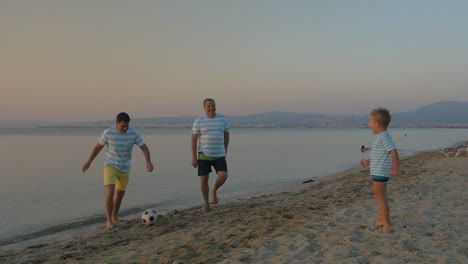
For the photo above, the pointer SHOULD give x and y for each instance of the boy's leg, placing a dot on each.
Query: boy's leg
(108, 204)
(222, 176)
(383, 216)
(205, 190)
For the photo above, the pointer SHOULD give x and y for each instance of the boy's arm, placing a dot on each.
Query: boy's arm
(146, 153)
(93, 155)
(365, 163)
(396, 163)
(194, 150)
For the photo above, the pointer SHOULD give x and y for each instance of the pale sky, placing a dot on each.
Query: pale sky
(87, 60)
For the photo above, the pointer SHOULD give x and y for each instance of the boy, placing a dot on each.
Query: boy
(119, 140)
(384, 162)
(213, 131)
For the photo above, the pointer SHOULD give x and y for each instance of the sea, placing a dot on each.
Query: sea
(45, 196)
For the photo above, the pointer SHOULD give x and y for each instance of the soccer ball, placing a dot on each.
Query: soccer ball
(149, 217)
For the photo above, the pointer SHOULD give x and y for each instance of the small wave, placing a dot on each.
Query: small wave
(161, 208)
(66, 226)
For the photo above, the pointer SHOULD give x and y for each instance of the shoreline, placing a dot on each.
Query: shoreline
(328, 221)
(48, 235)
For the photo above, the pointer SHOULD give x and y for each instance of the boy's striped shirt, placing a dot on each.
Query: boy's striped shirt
(119, 147)
(381, 159)
(211, 134)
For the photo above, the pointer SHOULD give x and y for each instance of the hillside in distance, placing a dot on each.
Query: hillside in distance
(440, 114)
(445, 113)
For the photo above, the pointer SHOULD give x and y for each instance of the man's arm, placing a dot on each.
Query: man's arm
(226, 141)
(93, 155)
(395, 162)
(146, 153)
(194, 150)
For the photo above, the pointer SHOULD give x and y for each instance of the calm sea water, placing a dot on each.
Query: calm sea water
(42, 188)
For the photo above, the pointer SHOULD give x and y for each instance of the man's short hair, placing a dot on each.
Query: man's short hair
(208, 100)
(382, 115)
(122, 117)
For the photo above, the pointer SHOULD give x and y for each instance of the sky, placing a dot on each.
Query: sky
(88, 60)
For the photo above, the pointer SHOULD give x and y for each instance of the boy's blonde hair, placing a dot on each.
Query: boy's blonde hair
(382, 115)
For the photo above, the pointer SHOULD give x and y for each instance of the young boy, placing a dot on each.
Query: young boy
(119, 140)
(384, 162)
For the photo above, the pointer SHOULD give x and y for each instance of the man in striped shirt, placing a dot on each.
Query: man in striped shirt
(119, 140)
(211, 131)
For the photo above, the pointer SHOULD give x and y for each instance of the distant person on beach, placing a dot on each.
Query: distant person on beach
(384, 162)
(364, 148)
(211, 132)
(119, 140)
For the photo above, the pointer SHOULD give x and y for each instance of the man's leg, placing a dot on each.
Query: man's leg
(205, 188)
(119, 194)
(108, 204)
(121, 184)
(222, 176)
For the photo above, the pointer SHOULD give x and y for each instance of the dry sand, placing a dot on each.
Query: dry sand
(319, 222)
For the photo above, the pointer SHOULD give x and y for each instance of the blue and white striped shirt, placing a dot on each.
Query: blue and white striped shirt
(211, 134)
(381, 159)
(119, 147)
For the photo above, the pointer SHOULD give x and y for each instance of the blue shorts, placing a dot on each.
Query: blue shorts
(380, 178)
(204, 166)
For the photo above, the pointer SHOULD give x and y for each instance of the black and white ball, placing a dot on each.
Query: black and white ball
(149, 217)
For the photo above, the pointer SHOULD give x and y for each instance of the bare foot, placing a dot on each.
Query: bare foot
(214, 196)
(105, 228)
(108, 228)
(115, 223)
(205, 208)
(379, 224)
(387, 228)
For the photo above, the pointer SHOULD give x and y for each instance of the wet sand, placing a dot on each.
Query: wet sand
(329, 220)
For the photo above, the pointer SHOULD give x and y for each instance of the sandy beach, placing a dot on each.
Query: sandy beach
(326, 221)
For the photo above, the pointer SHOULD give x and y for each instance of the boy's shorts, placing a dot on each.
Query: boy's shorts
(380, 178)
(204, 166)
(115, 176)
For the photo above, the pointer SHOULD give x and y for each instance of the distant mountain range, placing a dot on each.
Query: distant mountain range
(440, 114)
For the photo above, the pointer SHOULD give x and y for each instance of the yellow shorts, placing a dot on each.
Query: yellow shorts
(115, 176)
